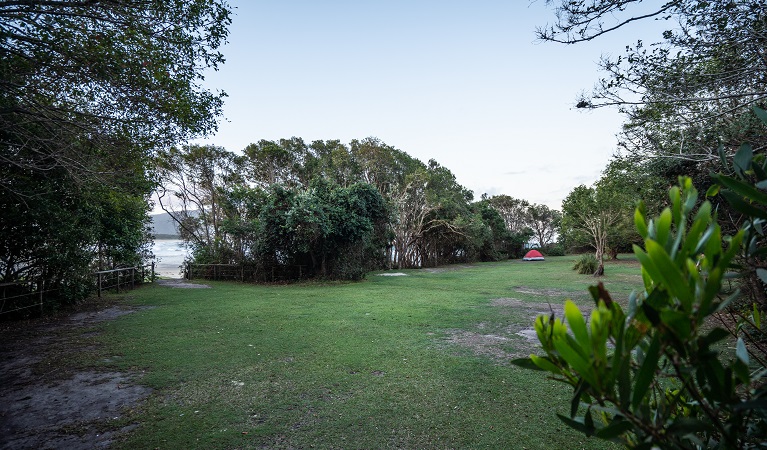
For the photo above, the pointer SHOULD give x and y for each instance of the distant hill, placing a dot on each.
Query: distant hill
(164, 226)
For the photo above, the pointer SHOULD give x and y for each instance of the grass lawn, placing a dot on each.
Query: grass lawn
(416, 361)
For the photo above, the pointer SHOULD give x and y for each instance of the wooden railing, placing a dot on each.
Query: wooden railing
(26, 295)
(245, 272)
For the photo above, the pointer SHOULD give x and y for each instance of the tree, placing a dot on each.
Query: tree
(88, 91)
(544, 223)
(689, 91)
(591, 213)
(198, 177)
(515, 212)
(269, 162)
(86, 81)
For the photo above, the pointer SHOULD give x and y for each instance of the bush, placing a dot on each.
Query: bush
(555, 250)
(655, 375)
(587, 265)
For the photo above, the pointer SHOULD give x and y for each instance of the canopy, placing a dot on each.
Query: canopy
(533, 255)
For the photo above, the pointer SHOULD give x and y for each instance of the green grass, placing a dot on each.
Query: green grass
(353, 365)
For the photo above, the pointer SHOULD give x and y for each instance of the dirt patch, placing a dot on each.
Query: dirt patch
(558, 293)
(180, 283)
(48, 401)
(489, 345)
(503, 342)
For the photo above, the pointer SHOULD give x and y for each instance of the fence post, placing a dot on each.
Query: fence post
(118, 281)
(152, 271)
(133, 278)
(42, 289)
(99, 283)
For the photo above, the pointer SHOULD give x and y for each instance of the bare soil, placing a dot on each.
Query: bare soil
(508, 340)
(48, 398)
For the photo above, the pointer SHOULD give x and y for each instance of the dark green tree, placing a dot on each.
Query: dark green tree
(88, 90)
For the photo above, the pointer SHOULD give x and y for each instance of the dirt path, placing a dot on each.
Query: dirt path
(48, 398)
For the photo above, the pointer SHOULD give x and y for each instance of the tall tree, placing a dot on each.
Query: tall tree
(692, 88)
(88, 91)
(544, 222)
(513, 211)
(82, 82)
(194, 182)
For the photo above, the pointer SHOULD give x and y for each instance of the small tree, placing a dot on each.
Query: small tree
(591, 213)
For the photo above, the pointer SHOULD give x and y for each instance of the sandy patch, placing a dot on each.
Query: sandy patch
(392, 274)
(559, 293)
(46, 402)
(180, 283)
(503, 342)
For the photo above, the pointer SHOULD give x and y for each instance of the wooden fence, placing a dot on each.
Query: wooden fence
(26, 295)
(245, 272)
(126, 277)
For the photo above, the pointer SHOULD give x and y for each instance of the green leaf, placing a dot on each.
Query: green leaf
(527, 363)
(716, 335)
(663, 229)
(577, 324)
(744, 189)
(624, 378)
(761, 114)
(574, 424)
(687, 425)
(576, 400)
(676, 205)
(648, 266)
(545, 364)
(574, 358)
(762, 274)
(741, 352)
(723, 157)
(742, 159)
(752, 404)
(674, 279)
(677, 321)
(713, 190)
(646, 373)
(640, 223)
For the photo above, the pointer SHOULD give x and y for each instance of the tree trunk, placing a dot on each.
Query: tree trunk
(600, 269)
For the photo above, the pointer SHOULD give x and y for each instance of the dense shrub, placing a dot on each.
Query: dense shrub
(587, 264)
(654, 375)
(554, 250)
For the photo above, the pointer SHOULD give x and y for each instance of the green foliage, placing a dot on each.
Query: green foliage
(89, 91)
(555, 250)
(337, 210)
(744, 190)
(651, 375)
(586, 264)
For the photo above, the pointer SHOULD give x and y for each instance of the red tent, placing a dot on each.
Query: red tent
(533, 255)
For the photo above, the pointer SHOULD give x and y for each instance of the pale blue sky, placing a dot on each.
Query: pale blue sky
(462, 82)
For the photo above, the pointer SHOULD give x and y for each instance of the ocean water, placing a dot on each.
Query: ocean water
(169, 257)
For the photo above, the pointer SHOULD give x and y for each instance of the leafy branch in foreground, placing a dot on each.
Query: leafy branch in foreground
(654, 375)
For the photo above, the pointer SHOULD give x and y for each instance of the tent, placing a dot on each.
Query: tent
(533, 255)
